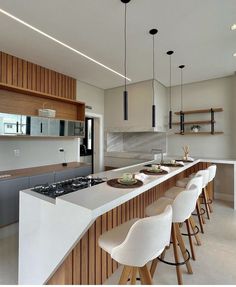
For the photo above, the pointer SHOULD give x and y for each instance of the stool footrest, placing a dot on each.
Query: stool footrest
(203, 211)
(192, 234)
(174, 263)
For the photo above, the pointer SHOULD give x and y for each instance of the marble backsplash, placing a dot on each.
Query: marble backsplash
(139, 142)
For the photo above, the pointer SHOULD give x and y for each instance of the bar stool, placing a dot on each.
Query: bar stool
(136, 242)
(174, 191)
(183, 205)
(205, 173)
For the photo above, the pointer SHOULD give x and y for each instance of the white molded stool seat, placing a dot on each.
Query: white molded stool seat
(114, 237)
(204, 173)
(136, 242)
(182, 182)
(212, 172)
(158, 206)
(175, 191)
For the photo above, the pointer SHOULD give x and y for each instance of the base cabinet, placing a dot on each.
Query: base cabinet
(9, 199)
(10, 189)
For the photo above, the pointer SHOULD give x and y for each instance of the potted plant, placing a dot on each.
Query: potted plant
(195, 128)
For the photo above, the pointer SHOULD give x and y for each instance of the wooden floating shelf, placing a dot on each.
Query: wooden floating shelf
(195, 122)
(216, 110)
(199, 133)
(36, 93)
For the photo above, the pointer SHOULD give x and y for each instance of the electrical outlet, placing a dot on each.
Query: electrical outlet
(16, 152)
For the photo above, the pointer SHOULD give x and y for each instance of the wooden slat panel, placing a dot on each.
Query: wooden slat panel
(25, 69)
(14, 72)
(29, 76)
(92, 251)
(57, 84)
(0, 66)
(46, 81)
(42, 78)
(77, 264)
(9, 69)
(84, 259)
(53, 83)
(4, 68)
(98, 268)
(104, 254)
(64, 274)
(20, 73)
(38, 79)
(34, 77)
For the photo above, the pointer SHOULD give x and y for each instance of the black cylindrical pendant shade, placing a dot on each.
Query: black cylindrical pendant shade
(153, 116)
(170, 119)
(125, 101)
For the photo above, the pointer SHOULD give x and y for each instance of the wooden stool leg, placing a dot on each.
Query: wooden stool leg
(199, 217)
(190, 239)
(155, 262)
(202, 216)
(183, 249)
(175, 247)
(133, 276)
(205, 199)
(208, 196)
(145, 276)
(125, 275)
(196, 236)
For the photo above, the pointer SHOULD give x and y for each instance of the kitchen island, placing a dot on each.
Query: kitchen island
(58, 237)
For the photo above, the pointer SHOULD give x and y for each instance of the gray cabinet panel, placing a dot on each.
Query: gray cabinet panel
(9, 199)
(83, 171)
(64, 174)
(41, 179)
(71, 173)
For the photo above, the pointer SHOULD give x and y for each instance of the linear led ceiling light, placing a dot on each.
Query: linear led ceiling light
(61, 43)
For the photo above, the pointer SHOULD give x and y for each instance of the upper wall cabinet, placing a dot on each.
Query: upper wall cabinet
(140, 100)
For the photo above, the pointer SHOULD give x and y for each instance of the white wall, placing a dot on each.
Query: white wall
(92, 96)
(35, 152)
(203, 95)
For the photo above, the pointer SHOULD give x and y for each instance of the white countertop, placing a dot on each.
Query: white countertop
(49, 229)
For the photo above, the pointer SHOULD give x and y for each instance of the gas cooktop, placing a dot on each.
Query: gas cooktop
(64, 187)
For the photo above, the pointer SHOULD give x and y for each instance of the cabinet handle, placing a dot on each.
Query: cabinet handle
(41, 127)
(17, 127)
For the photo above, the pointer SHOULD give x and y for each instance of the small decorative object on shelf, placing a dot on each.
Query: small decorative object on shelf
(195, 128)
(186, 152)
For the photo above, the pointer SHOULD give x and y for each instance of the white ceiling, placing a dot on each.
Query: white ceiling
(197, 30)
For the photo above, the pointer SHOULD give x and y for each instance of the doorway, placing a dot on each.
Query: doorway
(87, 144)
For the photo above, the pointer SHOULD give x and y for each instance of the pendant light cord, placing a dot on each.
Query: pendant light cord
(153, 68)
(181, 87)
(125, 42)
(170, 83)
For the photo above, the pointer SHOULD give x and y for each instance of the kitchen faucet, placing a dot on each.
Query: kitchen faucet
(160, 151)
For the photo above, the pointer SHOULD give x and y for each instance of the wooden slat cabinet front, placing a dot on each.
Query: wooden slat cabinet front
(91, 265)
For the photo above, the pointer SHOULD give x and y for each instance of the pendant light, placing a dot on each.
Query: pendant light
(125, 93)
(153, 32)
(169, 53)
(181, 102)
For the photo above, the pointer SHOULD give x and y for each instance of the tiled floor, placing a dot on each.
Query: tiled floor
(9, 254)
(215, 264)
